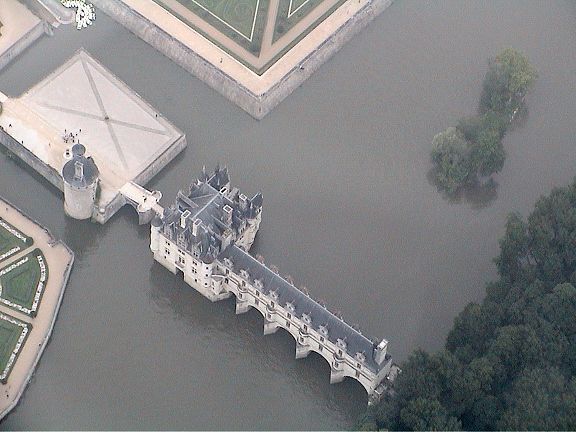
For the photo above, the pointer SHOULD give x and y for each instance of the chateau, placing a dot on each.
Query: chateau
(206, 234)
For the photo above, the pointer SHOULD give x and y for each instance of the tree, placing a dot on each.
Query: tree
(427, 414)
(488, 153)
(540, 399)
(451, 156)
(519, 73)
(509, 77)
(510, 361)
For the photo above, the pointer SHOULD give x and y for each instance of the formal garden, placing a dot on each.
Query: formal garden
(13, 334)
(12, 240)
(22, 283)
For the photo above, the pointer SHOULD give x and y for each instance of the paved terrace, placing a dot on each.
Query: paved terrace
(83, 102)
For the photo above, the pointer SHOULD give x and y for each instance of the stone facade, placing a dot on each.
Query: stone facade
(206, 235)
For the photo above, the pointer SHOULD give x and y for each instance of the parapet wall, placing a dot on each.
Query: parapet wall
(257, 105)
(18, 47)
(30, 158)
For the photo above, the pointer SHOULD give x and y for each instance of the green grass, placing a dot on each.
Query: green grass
(233, 18)
(12, 331)
(23, 285)
(11, 244)
(284, 23)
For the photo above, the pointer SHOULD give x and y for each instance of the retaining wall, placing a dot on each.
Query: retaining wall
(257, 105)
(23, 43)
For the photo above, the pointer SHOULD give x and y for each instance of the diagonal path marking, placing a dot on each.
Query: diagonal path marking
(103, 110)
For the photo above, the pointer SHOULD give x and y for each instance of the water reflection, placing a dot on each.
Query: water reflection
(174, 299)
(479, 194)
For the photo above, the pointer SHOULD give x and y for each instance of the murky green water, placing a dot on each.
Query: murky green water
(348, 212)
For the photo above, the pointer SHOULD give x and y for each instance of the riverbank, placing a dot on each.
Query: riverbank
(56, 257)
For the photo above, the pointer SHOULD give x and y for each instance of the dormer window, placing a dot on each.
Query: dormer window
(341, 344)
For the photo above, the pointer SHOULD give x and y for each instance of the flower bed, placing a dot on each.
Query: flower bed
(13, 334)
(12, 240)
(22, 283)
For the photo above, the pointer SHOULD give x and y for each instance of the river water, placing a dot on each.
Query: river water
(348, 212)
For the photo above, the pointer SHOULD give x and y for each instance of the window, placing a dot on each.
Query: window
(340, 352)
(243, 283)
(227, 271)
(257, 293)
(256, 301)
(205, 283)
(305, 328)
(359, 366)
(167, 251)
(289, 316)
(301, 339)
(272, 304)
(181, 260)
(269, 316)
(357, 374)
(321, 338)
(225, 280)
(320, 347)
(287, 324)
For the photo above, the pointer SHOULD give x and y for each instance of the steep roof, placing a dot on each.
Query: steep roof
(303, 304)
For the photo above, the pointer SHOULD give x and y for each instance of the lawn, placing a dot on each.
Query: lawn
(12, 240)
(22, 283)
(13, 334)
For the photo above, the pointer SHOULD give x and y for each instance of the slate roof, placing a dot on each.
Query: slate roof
(206, 203)
(288, 293)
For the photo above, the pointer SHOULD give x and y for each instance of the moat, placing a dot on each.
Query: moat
(342, 164)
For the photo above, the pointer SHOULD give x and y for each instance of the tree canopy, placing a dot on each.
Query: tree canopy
(509, 362)
(481, 154)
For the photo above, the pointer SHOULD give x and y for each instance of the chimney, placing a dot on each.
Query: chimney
(243, 202)
(227, 214)
(380, 352)
(195, 226)
(183, 218)
(78, 170)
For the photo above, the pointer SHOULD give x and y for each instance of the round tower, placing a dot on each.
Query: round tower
(155, 227)
(80, 176)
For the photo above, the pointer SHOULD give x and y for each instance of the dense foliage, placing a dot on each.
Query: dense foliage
(509, 362)
(473, 150)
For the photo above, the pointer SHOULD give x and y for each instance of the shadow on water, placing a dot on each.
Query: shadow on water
(481, 192)
(174, 297)
(83, 236)
(478, 194)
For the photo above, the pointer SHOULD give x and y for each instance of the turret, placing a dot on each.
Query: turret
(155, 226)
(80, 176)
(380, 352)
